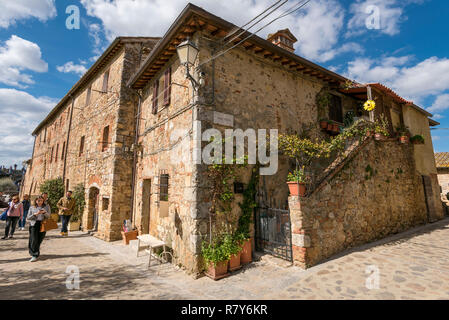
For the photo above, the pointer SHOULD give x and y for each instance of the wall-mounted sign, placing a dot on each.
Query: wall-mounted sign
(224, 119)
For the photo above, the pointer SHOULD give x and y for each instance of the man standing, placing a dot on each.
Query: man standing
(26, 206)
(66, 206)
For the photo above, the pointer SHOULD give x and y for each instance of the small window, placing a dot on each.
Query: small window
(67, 185)
(105, 204)
(57, 153)
(63, 151)
(81, 146)
(51, 154)
(105, 81)
(89, 92)
(105, 142)
(335, 109)
(163, 187)
(45, 135)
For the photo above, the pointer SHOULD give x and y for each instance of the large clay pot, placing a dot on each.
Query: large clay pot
(246, 254)
(127, 236)
(218, 271)
(297, 189)
(74, 226)
(234, 262)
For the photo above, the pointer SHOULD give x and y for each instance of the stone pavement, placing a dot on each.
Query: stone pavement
(411, 265)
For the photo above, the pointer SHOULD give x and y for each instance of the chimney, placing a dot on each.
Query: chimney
(284, 39)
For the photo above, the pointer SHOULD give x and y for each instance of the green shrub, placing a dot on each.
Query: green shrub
(55, 190)
(79, 194)
(214, 252)
(6, 184)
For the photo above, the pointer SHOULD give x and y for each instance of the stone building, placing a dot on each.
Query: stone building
(442, 163)
(151, 173)
(86, 138)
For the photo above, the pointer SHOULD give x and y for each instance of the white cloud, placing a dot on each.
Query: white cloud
(317, 25)
(17, 55)
(391, 14)
(71, 67)
(415, 82)
(22, 113)
(17, 10)
(441, 104)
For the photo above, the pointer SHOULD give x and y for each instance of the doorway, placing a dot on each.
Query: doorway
(146, 206)
(92, 213)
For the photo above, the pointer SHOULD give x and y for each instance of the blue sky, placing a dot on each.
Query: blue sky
(40, 59)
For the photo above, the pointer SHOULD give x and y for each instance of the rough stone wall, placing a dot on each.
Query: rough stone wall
(443, 180)
(377, 193)
(167, 144)
(108, 170)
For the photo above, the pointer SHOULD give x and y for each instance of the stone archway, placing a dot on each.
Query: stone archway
(93, 208)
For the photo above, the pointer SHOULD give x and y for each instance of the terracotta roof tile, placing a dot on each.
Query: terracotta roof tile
(442, 159)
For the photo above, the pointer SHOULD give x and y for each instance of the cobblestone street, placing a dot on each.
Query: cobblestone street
(412, 265)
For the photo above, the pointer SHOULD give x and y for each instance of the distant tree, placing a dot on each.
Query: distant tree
(6, 185)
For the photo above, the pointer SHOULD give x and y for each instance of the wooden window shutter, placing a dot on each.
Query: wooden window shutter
(155, 93)
(167, 86)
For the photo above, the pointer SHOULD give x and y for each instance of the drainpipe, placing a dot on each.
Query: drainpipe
(134, 169)
(22, 189)
(67, 143)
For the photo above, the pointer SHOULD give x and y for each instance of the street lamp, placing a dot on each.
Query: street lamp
(187, 53)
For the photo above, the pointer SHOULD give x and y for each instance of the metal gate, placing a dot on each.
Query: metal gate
(273, 232)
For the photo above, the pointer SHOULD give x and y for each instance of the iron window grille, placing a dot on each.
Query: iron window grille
(163, 186)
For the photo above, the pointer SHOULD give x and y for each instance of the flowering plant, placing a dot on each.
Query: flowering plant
(297, 176)
(369, 105)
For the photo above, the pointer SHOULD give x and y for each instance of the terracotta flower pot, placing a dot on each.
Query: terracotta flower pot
(404, 139)
(297, 189)
(218, 271)
(234, 262)
(74, 226)
(127, 236)
(246, 254)
(330, 126)
(323, 124)
(335, 128)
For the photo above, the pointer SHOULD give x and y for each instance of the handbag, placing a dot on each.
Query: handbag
(48, 224)
(4, 215)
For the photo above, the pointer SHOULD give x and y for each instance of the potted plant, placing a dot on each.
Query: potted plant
(80, 203)
(245, 242)
(381, 129)
(75, 223)
(323, 123)
(330, 125)
(296, 182)
(403, 133)
(216, 258)
(417, 139)
(232, 247)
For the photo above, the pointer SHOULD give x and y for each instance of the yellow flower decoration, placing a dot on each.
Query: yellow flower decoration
(369, 105)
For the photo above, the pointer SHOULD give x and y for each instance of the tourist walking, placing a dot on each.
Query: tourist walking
(26, 206)
(37, 213)
(66, 206)
(15, 212)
